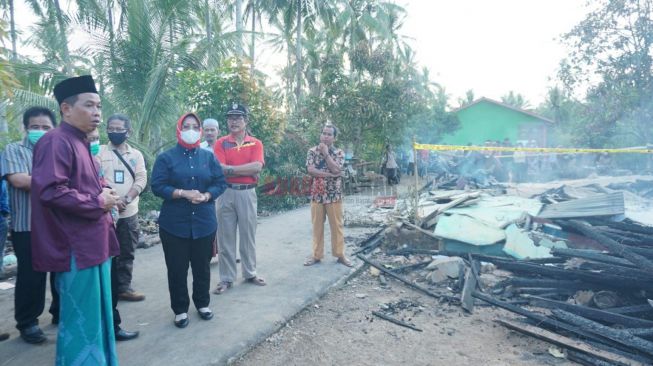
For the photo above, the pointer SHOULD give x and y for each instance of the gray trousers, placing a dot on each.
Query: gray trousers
(237, 210)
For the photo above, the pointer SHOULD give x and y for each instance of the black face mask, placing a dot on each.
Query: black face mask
(117, 138)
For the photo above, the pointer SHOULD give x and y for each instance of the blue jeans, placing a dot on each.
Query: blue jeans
(3, 240)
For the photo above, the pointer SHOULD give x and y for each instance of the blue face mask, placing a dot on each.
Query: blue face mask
(35, 135)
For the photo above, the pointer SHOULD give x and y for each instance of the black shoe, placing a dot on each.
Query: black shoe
(33, 335)
(181, 323)
(124, 335)
(4, 336)
(206, 315)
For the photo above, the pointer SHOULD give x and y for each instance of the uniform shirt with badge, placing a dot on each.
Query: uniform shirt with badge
(118, 176)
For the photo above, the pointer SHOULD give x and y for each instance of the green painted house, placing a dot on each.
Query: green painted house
(486, 119)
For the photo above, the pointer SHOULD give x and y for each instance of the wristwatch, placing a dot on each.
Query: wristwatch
(230, 171)
(128, 200)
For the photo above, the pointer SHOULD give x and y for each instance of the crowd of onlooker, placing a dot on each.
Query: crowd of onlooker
(483, 167)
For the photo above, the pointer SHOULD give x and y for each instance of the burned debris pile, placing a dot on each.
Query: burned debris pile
(569, 261)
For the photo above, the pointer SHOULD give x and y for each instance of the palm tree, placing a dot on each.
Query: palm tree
(9, 5)
(50, 34)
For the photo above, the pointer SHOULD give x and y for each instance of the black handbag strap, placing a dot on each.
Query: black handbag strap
(131, 171)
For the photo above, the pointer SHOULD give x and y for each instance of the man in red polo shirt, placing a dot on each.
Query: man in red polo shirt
(241, 157)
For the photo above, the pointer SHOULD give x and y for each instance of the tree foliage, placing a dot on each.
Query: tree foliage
(612, 53)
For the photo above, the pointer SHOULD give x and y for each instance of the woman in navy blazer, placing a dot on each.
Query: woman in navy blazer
(189, 179)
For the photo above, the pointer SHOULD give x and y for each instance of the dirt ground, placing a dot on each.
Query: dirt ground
(340, 329)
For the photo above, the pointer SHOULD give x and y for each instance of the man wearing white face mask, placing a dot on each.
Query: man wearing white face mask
(29, 296)
(189, 179)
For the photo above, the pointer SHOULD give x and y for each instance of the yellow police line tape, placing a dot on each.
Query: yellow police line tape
(529, 149)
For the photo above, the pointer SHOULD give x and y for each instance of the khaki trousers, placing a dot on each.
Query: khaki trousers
(319, 213)
(237, 213)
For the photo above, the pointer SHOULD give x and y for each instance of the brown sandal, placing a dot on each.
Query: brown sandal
(345, 261)
(222, 287)
(311, 261)
(256, 281)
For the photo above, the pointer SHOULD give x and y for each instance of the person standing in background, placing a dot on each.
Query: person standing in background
(4, 213)
(241, 158)
(123, 167)
(324, 164)
(29, 295)
(211, 131)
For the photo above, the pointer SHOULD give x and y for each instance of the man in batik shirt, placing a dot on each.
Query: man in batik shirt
(324, 163)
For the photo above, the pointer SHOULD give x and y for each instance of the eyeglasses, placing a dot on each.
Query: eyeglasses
(119, 130)
(235, 118)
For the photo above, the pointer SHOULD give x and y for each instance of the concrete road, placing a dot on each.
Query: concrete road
(244, 316)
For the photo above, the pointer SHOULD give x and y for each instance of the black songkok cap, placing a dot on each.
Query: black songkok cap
(74, 86)
(236, 109)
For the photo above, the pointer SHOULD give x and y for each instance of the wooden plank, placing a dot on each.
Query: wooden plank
(568, 343)
(614, 247)
(595, 314)
(425, 232)
(593, 255)
(644, 308)
(616, 335)
(544, 320)
(466, 299)
(430, 220)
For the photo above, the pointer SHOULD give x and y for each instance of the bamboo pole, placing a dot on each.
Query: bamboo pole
(416, 181)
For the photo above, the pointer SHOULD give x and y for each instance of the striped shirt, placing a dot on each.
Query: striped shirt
(18, 159)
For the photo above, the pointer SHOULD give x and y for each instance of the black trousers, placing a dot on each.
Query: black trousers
(114, 293)
(29, 295)
(179, 252)
(127, 233)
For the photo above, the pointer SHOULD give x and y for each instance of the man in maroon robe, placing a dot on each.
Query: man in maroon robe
(72, 228)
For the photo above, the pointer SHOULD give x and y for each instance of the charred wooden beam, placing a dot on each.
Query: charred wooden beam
(625, 226)
(640, 332)
(646, 252)
(614, 269)
(568, 343)
(475, 266)
(614, 247)
(544, 290)
(633, 309)
(594, 314)
(622, 239)
(395, 321)
(371, 240)
(593, 255)
(406, 251)
(542, 320)
(407, 282)
(605, 280)
(588, 360)
(618, 336)
(410, 267)
(548, 283)
(466, 299)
